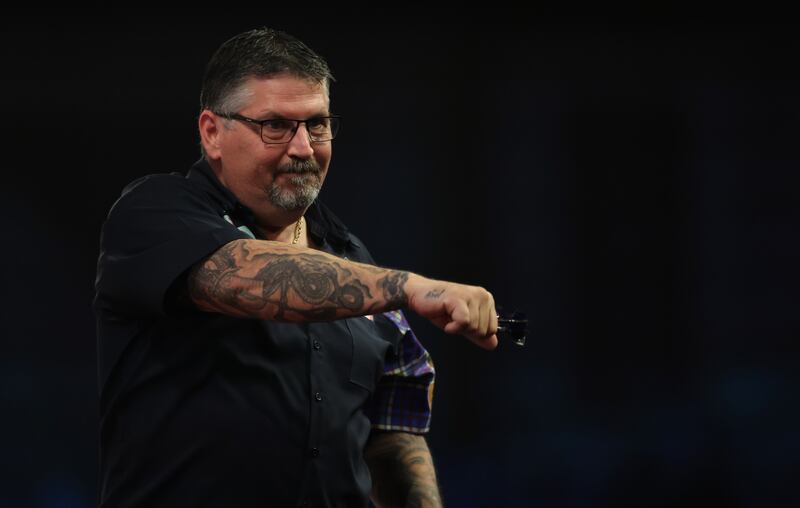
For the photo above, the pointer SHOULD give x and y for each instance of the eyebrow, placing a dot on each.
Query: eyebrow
(271, 115)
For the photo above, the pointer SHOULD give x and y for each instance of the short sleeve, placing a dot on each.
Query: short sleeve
(157, 229)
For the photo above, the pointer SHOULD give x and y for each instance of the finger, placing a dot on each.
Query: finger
(474, 326)
(492, 316)
(484, 316)
(459, 318)
(487, 342)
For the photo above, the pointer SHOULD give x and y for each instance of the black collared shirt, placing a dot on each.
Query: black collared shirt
(202, 409)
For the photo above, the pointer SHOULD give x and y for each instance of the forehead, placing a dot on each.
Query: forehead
(286, 95)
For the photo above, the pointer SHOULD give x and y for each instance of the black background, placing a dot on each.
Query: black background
(631, 185)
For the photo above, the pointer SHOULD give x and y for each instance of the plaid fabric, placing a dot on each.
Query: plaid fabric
(404, 396)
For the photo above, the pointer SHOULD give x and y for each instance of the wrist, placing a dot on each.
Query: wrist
(415, 284)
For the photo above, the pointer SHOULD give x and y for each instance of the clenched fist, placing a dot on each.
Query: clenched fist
(455, 308)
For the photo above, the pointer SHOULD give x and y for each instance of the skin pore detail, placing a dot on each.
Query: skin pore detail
(268, 280)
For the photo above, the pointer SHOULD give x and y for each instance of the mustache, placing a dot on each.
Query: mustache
(300, 166)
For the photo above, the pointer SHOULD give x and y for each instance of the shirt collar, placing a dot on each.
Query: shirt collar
(322, 224)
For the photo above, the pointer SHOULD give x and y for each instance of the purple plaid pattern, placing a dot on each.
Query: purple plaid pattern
(404, 396)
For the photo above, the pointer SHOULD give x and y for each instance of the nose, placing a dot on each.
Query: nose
(300, 144)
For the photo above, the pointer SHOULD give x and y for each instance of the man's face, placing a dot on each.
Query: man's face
(273, 179)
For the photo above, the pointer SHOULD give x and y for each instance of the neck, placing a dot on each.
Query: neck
(283, 233)
(275, 223)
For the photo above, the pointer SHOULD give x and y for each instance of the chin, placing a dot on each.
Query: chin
(292, 201)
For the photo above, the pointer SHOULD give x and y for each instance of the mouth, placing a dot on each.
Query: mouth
(293, 190)
(299, 173)
(301, 178)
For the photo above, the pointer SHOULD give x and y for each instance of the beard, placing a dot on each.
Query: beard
(303, 186)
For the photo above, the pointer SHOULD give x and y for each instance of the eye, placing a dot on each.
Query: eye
(318, 124)
(277, 125)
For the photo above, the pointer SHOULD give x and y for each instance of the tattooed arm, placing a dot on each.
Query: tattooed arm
(402, 471)
(275, 281)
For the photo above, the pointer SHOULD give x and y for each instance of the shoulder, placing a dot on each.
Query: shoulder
(154, 186)
(157, 190)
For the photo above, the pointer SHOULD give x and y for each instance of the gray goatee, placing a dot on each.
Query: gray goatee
(303, 188)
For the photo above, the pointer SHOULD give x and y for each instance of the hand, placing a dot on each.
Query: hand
(455, 308)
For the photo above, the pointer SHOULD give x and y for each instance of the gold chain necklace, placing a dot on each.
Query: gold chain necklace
(297, 228)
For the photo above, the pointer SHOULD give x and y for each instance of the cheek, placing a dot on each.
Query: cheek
(255, 162)
(250, 174)
(323, 158)
(324, 165)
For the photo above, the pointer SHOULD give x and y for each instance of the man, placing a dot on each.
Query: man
(250, 353)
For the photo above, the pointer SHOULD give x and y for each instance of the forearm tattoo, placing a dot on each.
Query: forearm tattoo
(393, 288)
(279, 283)
(402, 471)
(434, 294)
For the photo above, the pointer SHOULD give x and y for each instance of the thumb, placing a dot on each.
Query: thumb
(452, 327)
(459, 318)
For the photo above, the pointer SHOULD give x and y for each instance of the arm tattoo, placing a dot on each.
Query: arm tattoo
(393, 286)
(434, 293)
(249, 280)
(402, 471)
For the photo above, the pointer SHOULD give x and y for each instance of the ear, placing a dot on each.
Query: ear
(210, 127)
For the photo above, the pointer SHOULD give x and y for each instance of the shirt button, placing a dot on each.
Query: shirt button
(318, 396)
(315, 452)
(317, 345)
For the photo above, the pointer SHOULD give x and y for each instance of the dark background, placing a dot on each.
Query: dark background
(632, 186)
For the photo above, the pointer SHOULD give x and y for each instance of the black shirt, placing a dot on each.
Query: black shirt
(202, 409)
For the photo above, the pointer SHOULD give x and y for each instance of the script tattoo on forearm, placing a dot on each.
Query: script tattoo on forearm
(402, 471)
(434, 293)
(285, 285)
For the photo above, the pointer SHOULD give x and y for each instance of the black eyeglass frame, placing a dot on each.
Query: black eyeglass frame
(260, 124)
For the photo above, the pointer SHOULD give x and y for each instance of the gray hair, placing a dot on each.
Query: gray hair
(257, 53)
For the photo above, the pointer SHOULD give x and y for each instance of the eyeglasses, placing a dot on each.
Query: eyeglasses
(276, 131)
